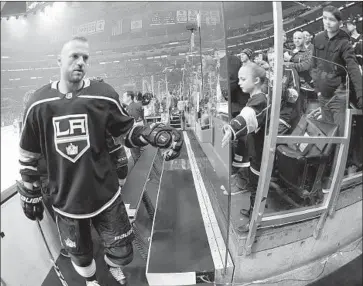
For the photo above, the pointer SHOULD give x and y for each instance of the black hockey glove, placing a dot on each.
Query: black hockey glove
(119, 159)
(164, 137)
(31, 201)
(146, 98)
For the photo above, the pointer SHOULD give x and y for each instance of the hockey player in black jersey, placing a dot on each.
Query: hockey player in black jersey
(67, 123)
(250, 121)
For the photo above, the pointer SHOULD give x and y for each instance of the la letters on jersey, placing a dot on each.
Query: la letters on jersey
(71, 136)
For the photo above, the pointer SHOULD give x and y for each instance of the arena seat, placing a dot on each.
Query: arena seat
(301, 166)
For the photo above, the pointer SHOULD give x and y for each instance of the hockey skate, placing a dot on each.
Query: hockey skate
(92, 283)
(118, 274)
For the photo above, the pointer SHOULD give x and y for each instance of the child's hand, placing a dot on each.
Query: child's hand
(227, 136)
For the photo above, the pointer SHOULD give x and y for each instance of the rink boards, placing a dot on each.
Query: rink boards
(186, 247)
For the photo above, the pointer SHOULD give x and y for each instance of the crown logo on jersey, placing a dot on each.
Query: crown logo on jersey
(72, 150)
(70, 243)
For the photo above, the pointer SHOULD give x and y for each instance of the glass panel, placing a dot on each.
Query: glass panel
(212, 107)
(319, 78)
(314, 103)
(249, 28)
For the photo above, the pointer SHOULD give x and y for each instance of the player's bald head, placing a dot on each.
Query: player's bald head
(73, 59)
(68, 44)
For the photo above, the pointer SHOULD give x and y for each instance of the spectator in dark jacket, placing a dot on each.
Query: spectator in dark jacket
(329, 75)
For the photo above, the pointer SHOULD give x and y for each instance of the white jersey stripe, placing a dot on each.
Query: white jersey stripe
(83, 216)
(106, 98)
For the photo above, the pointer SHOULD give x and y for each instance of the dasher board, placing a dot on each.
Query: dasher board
(137, 177)
(182, 249)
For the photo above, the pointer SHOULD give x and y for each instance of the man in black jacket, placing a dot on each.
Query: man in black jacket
(334, 55)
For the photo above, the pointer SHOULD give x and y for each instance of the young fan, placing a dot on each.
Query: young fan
(251, 122)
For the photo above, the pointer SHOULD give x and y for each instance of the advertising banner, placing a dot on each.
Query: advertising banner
(192, 15)
(89, 28)
(182, 16)
(136, 24)
(156, 19)
(169, 17)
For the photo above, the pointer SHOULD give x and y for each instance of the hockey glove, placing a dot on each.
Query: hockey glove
(119, 159)
(164, 137)
(31, 201)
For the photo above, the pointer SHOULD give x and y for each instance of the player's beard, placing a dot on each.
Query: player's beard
(76, 78)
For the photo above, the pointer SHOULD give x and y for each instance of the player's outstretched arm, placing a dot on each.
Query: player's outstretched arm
(157, 135)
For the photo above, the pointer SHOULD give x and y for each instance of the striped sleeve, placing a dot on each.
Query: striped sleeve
(119, 123)
(29, 152)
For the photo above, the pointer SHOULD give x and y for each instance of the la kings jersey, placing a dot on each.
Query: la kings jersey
(254, 114)
(70, 132)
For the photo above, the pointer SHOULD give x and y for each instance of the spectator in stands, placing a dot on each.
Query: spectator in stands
(289, 115)
(136, 111)
(332, 45)
(300, 59)
(308, 37)
(287, 45)
(261, 60)
(355, 39)
(246, 56)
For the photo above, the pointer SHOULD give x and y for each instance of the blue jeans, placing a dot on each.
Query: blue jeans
(333, 109)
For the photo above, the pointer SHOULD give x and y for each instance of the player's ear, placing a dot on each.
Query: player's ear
(59, 60)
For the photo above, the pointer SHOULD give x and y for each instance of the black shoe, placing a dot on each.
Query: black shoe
(245, 212)
(64, 252)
